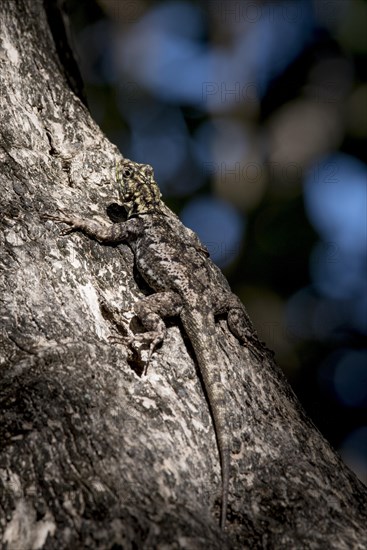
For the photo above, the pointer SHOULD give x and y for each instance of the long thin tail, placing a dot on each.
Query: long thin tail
(201, 331)
(225, 463)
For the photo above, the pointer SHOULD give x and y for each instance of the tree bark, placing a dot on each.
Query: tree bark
(93, 454)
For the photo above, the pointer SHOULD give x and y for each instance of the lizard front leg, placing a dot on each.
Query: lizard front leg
(114, 233)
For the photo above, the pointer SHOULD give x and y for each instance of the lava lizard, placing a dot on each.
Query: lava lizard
(176, 265)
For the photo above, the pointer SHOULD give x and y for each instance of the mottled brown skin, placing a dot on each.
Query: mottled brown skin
(175, 264)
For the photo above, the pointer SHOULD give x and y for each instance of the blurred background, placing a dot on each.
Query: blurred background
(254, 117)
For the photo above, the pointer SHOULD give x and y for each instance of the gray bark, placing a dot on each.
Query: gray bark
(92, 453)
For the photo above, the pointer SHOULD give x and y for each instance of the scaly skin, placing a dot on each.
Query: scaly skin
(175, 264)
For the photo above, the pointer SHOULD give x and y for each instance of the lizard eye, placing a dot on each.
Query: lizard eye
(127, 173)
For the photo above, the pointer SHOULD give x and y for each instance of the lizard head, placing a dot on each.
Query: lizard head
(138, 189)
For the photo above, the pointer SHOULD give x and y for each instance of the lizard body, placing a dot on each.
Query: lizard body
(176, 266)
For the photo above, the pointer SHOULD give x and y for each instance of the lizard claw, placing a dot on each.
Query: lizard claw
(118, 339)
(72, 221)
(61, 218)
(58, 218)
(134, 351)
(53, 217)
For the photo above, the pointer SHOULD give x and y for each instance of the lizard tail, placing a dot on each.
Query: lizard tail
(201, 330)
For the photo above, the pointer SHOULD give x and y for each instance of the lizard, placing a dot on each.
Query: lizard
(176, 265)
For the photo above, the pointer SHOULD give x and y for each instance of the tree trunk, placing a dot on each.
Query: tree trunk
(94, 454)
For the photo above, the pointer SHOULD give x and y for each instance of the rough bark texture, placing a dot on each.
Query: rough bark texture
(92, 454)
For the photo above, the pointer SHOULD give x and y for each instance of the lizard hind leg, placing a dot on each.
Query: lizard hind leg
(237, 319)
(239, 323)
(151, 310)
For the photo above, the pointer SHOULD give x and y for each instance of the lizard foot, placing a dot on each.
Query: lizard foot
(61, 218)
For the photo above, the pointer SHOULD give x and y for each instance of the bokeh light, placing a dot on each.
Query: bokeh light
(218, 225)
(350, 379)
(353, 451)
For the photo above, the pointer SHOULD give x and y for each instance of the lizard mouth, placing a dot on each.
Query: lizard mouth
(128, 205)
(125, 196)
